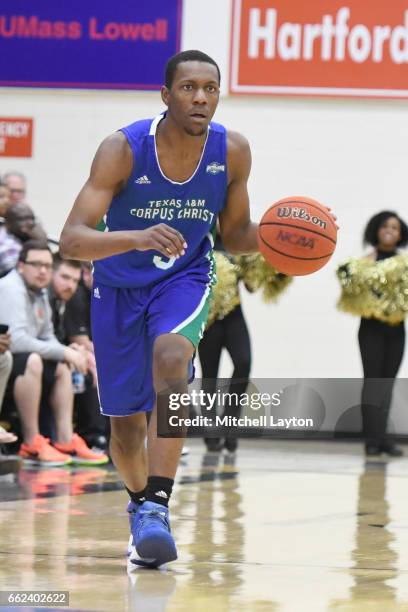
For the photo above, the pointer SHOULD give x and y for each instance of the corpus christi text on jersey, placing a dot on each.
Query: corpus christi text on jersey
(244, 421)
(166, 210)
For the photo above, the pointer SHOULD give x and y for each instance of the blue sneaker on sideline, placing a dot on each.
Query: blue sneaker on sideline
(152, 536)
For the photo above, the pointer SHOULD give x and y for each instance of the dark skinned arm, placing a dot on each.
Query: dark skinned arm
(110, 170)
(238, 232)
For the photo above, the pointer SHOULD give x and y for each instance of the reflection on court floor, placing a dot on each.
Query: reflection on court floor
(288, 526)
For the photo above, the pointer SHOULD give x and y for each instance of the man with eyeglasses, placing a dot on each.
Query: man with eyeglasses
(71, 326)
(20, 226)
(41, 364)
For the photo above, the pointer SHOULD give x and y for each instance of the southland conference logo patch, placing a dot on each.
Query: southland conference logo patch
(215, 168)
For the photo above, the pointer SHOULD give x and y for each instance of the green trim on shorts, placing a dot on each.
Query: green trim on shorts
(212, 273)
(194, 329)
(195, 324)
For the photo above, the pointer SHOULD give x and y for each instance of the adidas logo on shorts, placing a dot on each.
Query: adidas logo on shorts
(96, 293)
(143, 180)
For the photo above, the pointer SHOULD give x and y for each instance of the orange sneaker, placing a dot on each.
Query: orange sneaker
(40, 452)
(80, 452)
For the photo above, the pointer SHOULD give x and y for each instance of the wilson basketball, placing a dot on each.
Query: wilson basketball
(297, 235)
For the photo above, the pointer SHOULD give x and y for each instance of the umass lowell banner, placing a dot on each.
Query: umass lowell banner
(112, 44)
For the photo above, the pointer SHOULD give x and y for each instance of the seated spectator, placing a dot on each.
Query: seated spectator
(8, 463)
(4, 198)
(16, 182)
(6, 361)
(20, 225)
(64, 284)
(71, 313)
(78, 311)
(40, 362)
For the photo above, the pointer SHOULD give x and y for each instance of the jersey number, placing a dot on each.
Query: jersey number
(159, 262)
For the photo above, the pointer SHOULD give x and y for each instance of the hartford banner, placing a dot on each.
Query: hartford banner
(324, 47)
(110, 44)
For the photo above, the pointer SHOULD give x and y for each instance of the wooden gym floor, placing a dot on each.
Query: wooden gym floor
(283, 526)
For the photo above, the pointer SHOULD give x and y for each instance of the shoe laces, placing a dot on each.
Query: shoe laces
(154, 514)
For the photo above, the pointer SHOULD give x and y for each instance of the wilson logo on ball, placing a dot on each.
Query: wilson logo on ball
(300, 213)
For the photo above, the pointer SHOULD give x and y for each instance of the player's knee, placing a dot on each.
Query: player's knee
(170, 361)
(35, 365)
(128, 433)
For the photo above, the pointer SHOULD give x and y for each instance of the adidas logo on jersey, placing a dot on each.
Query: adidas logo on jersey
(143, 180)
(96, 293)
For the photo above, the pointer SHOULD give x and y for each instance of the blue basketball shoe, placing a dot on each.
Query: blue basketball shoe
(152, 536)
(132, 556)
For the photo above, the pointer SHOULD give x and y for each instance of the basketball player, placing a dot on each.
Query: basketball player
(160, 185)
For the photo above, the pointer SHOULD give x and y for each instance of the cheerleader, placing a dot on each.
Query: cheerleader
(375, 287)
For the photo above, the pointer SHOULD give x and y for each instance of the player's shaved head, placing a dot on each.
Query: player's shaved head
(187, 56)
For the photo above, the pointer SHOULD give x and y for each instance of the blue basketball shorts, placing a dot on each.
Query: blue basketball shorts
(125, 324)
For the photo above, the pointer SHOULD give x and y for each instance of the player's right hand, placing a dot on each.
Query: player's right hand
(162, 238)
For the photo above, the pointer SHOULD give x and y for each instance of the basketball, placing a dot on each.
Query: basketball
(297, 235)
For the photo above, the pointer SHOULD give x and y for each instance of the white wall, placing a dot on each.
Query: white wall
(350, 154)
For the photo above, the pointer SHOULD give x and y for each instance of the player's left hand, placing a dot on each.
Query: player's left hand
(333, 216)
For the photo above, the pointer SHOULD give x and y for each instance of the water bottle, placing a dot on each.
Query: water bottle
(78, 382)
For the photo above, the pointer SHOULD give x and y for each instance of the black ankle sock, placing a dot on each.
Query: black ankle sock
(137, 498)
(158, 489)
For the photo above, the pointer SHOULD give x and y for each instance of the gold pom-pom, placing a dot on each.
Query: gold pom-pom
(225, 293)
(256, 274)
(253, 271)
(375, 289)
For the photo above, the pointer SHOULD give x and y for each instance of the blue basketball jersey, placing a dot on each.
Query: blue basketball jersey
(150, 198)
